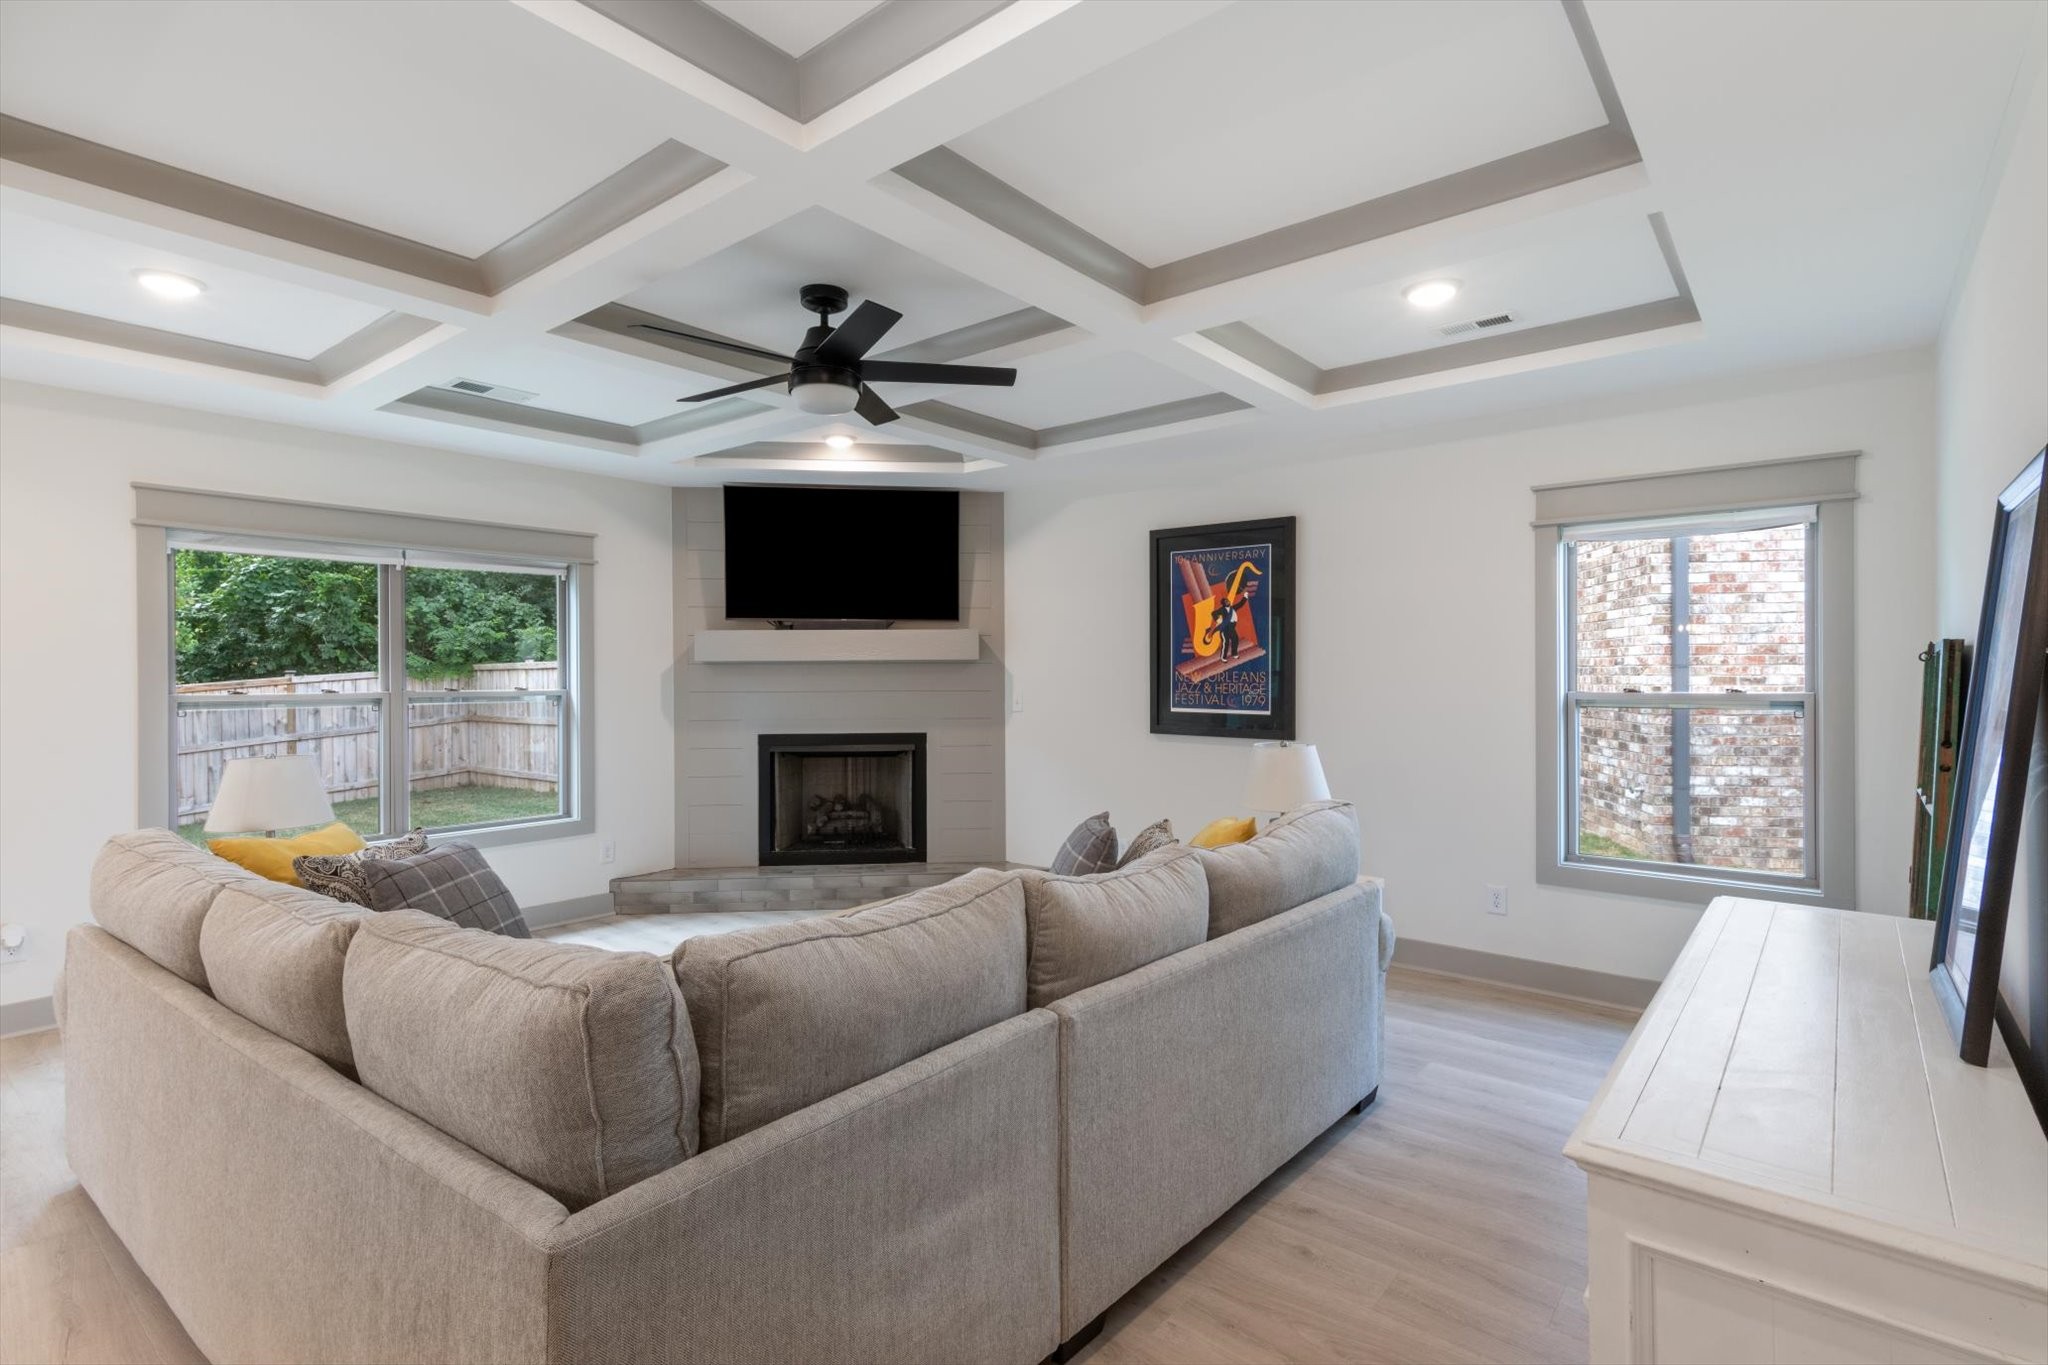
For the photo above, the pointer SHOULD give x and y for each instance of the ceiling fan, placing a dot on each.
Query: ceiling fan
(829, 373)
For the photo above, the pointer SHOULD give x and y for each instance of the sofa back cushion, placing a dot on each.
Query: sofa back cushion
(794, 1013)
(1085, 930)
(151, 890)
(274, 955)
(571, 1067)
(1304, 854)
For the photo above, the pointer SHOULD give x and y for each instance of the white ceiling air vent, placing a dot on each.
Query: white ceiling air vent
(1458, 329)
(497, 391)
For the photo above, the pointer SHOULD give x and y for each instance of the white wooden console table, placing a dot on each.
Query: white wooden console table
(1788, 1162)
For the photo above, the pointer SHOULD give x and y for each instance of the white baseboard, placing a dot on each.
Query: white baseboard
(562, 912)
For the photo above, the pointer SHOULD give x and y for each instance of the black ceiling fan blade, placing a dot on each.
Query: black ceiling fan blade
(911, 372)
(712, 341)
(736, 388)
(856, 336)
(873, 408)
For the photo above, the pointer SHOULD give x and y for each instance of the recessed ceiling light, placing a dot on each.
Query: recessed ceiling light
(838, 442)
(166, 285)
(1431, 293)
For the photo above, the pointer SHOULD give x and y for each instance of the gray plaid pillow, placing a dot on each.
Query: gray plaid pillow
(1091, 848)
(340, 875)
(1152, 838)
(452, 881)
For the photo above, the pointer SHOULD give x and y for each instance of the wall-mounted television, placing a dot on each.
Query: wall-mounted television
(841, 554)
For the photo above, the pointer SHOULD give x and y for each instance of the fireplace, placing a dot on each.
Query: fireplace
(855, 798)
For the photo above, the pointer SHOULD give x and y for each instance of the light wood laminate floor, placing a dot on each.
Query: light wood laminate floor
(1441, 1226)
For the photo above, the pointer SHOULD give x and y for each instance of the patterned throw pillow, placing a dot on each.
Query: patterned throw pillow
(1152, 838)
(340, 875)
(452, 881)
(1091, 848)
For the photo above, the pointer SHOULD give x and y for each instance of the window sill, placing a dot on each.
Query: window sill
(525, 832)
(1682, 887)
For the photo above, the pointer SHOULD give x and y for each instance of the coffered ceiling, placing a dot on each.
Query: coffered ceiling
(1188, 224)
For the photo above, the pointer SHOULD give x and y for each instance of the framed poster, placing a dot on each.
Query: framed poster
(1991, 776)
(1223, 630)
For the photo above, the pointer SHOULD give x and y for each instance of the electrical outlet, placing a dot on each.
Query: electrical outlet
(1496, 900)
(608, 851)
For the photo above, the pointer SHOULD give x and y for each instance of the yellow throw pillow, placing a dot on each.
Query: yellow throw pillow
(272, 858)
(1217, 833)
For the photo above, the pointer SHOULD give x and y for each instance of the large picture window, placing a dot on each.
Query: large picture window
(435, 688)
(1696, 696)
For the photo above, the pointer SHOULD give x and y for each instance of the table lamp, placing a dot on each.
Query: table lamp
(270, 794)
(1285, 776)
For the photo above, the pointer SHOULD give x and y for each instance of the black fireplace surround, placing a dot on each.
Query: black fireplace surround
(842, 798)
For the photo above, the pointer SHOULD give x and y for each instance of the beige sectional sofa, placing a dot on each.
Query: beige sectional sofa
(955, 1126)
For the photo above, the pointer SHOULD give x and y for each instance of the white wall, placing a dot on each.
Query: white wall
(68, 669)
(1993, 416)
(1416, 650)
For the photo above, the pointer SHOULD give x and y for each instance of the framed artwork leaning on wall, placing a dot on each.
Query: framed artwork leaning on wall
(1222, 633)
(1991, 776)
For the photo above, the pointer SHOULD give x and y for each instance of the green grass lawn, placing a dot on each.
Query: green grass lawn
(435, 809)
(1599, 846)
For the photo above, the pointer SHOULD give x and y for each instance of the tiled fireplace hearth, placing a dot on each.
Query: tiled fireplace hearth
(841, 822)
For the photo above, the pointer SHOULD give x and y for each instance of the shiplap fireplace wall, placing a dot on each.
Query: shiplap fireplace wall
(722, 709)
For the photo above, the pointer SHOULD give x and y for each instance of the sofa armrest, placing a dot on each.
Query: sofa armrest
(284, 1212)
(1188, 1081)
(913, 1217)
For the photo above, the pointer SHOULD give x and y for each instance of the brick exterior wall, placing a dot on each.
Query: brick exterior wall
(1746, 630)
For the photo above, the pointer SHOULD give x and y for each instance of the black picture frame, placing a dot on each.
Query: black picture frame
(2011, 652)
(1276, 640)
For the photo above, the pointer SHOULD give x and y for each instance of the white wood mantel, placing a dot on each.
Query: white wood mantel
(936, 645)
(1788, 1161)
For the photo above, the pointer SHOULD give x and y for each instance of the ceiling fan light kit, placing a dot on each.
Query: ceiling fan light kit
(828, 374)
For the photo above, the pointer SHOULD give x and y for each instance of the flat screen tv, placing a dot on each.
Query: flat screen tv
(841, 554)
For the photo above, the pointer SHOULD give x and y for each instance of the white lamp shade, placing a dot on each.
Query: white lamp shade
(270, 793)
(1285, 776)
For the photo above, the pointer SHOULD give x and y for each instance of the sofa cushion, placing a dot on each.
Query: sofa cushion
(572, 1067)
(792, 1013)
(1089, 847)
(151, 890)
(1085, 930)
(452, 882)
(1303, 854)
(274, 955)
(340, 875)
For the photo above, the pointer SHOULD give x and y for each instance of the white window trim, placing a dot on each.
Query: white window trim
(1826, 482)
(392, 538)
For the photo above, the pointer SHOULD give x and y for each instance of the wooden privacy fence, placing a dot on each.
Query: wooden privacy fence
(460, 742)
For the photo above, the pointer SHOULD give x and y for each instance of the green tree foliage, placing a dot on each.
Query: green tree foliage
(458, 618)
(254, 616)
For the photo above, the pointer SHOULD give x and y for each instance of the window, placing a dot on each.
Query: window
(435, 688)
(1687, 703)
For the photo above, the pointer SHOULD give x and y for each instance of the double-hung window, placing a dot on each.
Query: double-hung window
(440, 683)
(1689, 717)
